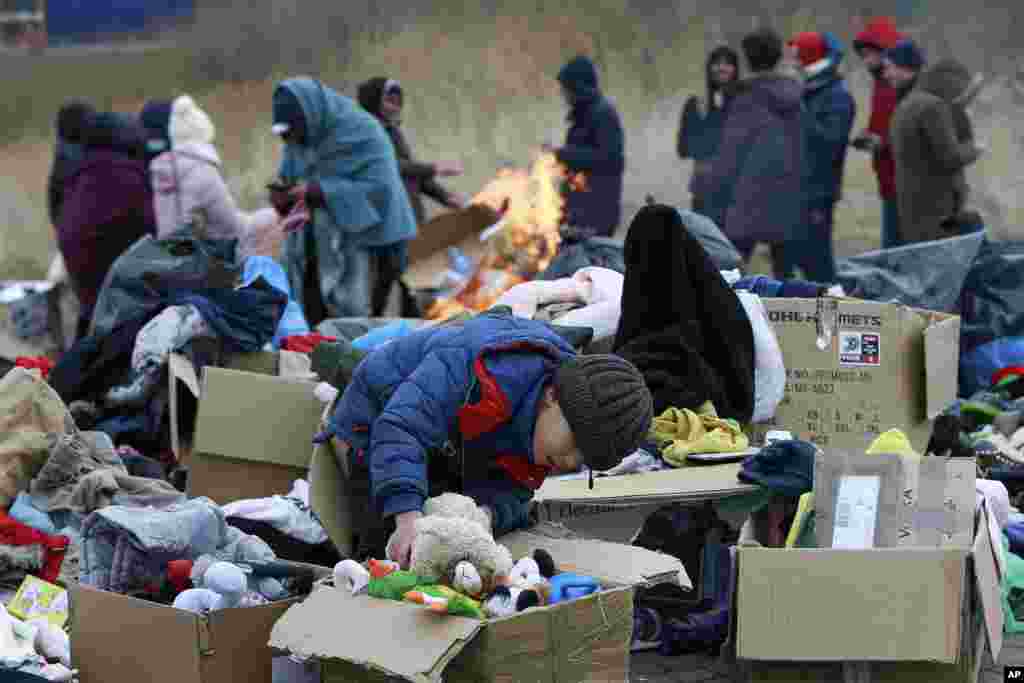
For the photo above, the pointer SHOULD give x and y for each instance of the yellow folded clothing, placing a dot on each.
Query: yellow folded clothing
(893, 442)
(681, 431)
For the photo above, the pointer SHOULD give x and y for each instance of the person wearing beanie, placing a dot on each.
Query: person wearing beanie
(156, 118)
(594, 146)
(510, 396)
(384, 97)
(107, 206)
(73, 121)
(682, 325)
(933, 143)
(188, 181)
(829, 112)
(700, 126)
(339, 161)
(879, 35)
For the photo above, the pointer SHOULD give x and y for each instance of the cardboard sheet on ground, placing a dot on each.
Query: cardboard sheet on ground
(684, 485)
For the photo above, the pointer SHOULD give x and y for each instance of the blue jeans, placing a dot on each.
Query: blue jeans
(810, 248)
(890, 224)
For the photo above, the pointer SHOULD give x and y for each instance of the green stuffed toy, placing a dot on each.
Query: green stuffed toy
(445, 600)
(394, 586)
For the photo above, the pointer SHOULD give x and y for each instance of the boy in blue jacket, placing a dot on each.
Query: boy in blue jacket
(486, 407)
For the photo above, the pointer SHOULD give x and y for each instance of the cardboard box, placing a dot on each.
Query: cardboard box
(879, 366)
(253, 429)
(582, 640)
(883, 614)
(928, 502)
(119, 638)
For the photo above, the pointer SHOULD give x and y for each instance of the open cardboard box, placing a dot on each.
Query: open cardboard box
(883, 366)
(253, 428)
(116, 638)
(582, 640)
(891, 614)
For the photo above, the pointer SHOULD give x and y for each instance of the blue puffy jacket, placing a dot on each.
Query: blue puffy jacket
(478, 380)
(829, 112)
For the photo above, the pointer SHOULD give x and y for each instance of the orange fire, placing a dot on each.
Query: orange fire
(527, 239)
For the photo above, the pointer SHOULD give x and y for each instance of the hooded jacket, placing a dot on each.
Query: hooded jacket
(757, 173)
(419, 178)
(188, 179)
(481, 379)
(881, 34)
(594, 146)
(829, 112)
(107, 205)
(349, 155)
(932, 143)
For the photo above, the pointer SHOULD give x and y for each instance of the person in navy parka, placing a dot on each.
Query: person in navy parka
(595, 147)
(829, 112)
(487, 408)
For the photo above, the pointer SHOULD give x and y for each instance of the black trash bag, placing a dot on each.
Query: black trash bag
(993, 295)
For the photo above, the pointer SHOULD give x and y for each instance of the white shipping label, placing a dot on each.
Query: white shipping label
(856, 512)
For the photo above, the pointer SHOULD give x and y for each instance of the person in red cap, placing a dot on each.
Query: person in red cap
(828, 114)
(879, 35)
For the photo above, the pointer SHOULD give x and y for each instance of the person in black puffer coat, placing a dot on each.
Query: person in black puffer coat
(682, 325)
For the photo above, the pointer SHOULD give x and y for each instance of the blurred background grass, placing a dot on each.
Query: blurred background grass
(480, 86)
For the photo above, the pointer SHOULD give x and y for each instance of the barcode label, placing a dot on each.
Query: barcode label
(843, 512)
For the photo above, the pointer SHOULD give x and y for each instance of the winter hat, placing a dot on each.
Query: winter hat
(906, 54)
(880, 33)
(579, 76)
(155, 117)
(811, 47)
(73, 120)
(607, 405)
(784, 467)
(189, 123)
(287, 110)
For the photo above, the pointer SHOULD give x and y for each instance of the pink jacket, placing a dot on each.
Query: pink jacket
(188, 178)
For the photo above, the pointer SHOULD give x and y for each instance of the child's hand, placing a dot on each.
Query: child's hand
(400, 547)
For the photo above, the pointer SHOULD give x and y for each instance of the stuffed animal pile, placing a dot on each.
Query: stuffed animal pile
(458, 568)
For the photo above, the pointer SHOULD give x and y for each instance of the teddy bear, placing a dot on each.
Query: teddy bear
(454, 546)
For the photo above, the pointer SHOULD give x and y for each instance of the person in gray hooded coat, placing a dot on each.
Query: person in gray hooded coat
(932, 144)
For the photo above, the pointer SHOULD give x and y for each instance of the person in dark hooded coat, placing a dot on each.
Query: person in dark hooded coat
(700, 126)
(72, 124)
(108, 205)
(757, 173)
(933, 143)
(384, 97)
(155, 118)
(682, 326)
(594, 146)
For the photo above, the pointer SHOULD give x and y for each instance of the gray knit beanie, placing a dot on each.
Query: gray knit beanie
(607, 405)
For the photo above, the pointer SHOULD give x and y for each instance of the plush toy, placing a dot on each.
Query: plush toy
(537, 568)
(224, 586)
(508, 600)
(454, 546)
(445, 600)
(567, 586)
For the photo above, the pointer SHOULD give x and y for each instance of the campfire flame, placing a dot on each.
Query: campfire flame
(532, 205)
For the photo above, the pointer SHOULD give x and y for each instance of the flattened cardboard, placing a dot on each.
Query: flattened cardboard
(253, 435)
(878, 605)
(393, 637)
(686, 484)
(986, 575)
(927, 502)
(876, 371)
(611, 563)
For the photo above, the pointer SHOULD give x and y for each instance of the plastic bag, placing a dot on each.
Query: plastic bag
(769, 368)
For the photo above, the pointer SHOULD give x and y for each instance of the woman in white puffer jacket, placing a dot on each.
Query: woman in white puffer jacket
(188, 179)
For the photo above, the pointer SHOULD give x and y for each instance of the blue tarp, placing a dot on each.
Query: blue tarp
(86, 21)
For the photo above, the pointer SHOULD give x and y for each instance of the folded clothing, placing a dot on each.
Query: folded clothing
(680, 432)
(287, 548)
(289, 514)
(785, 467)
(305, 343)
(29, 515)
(126, 548)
